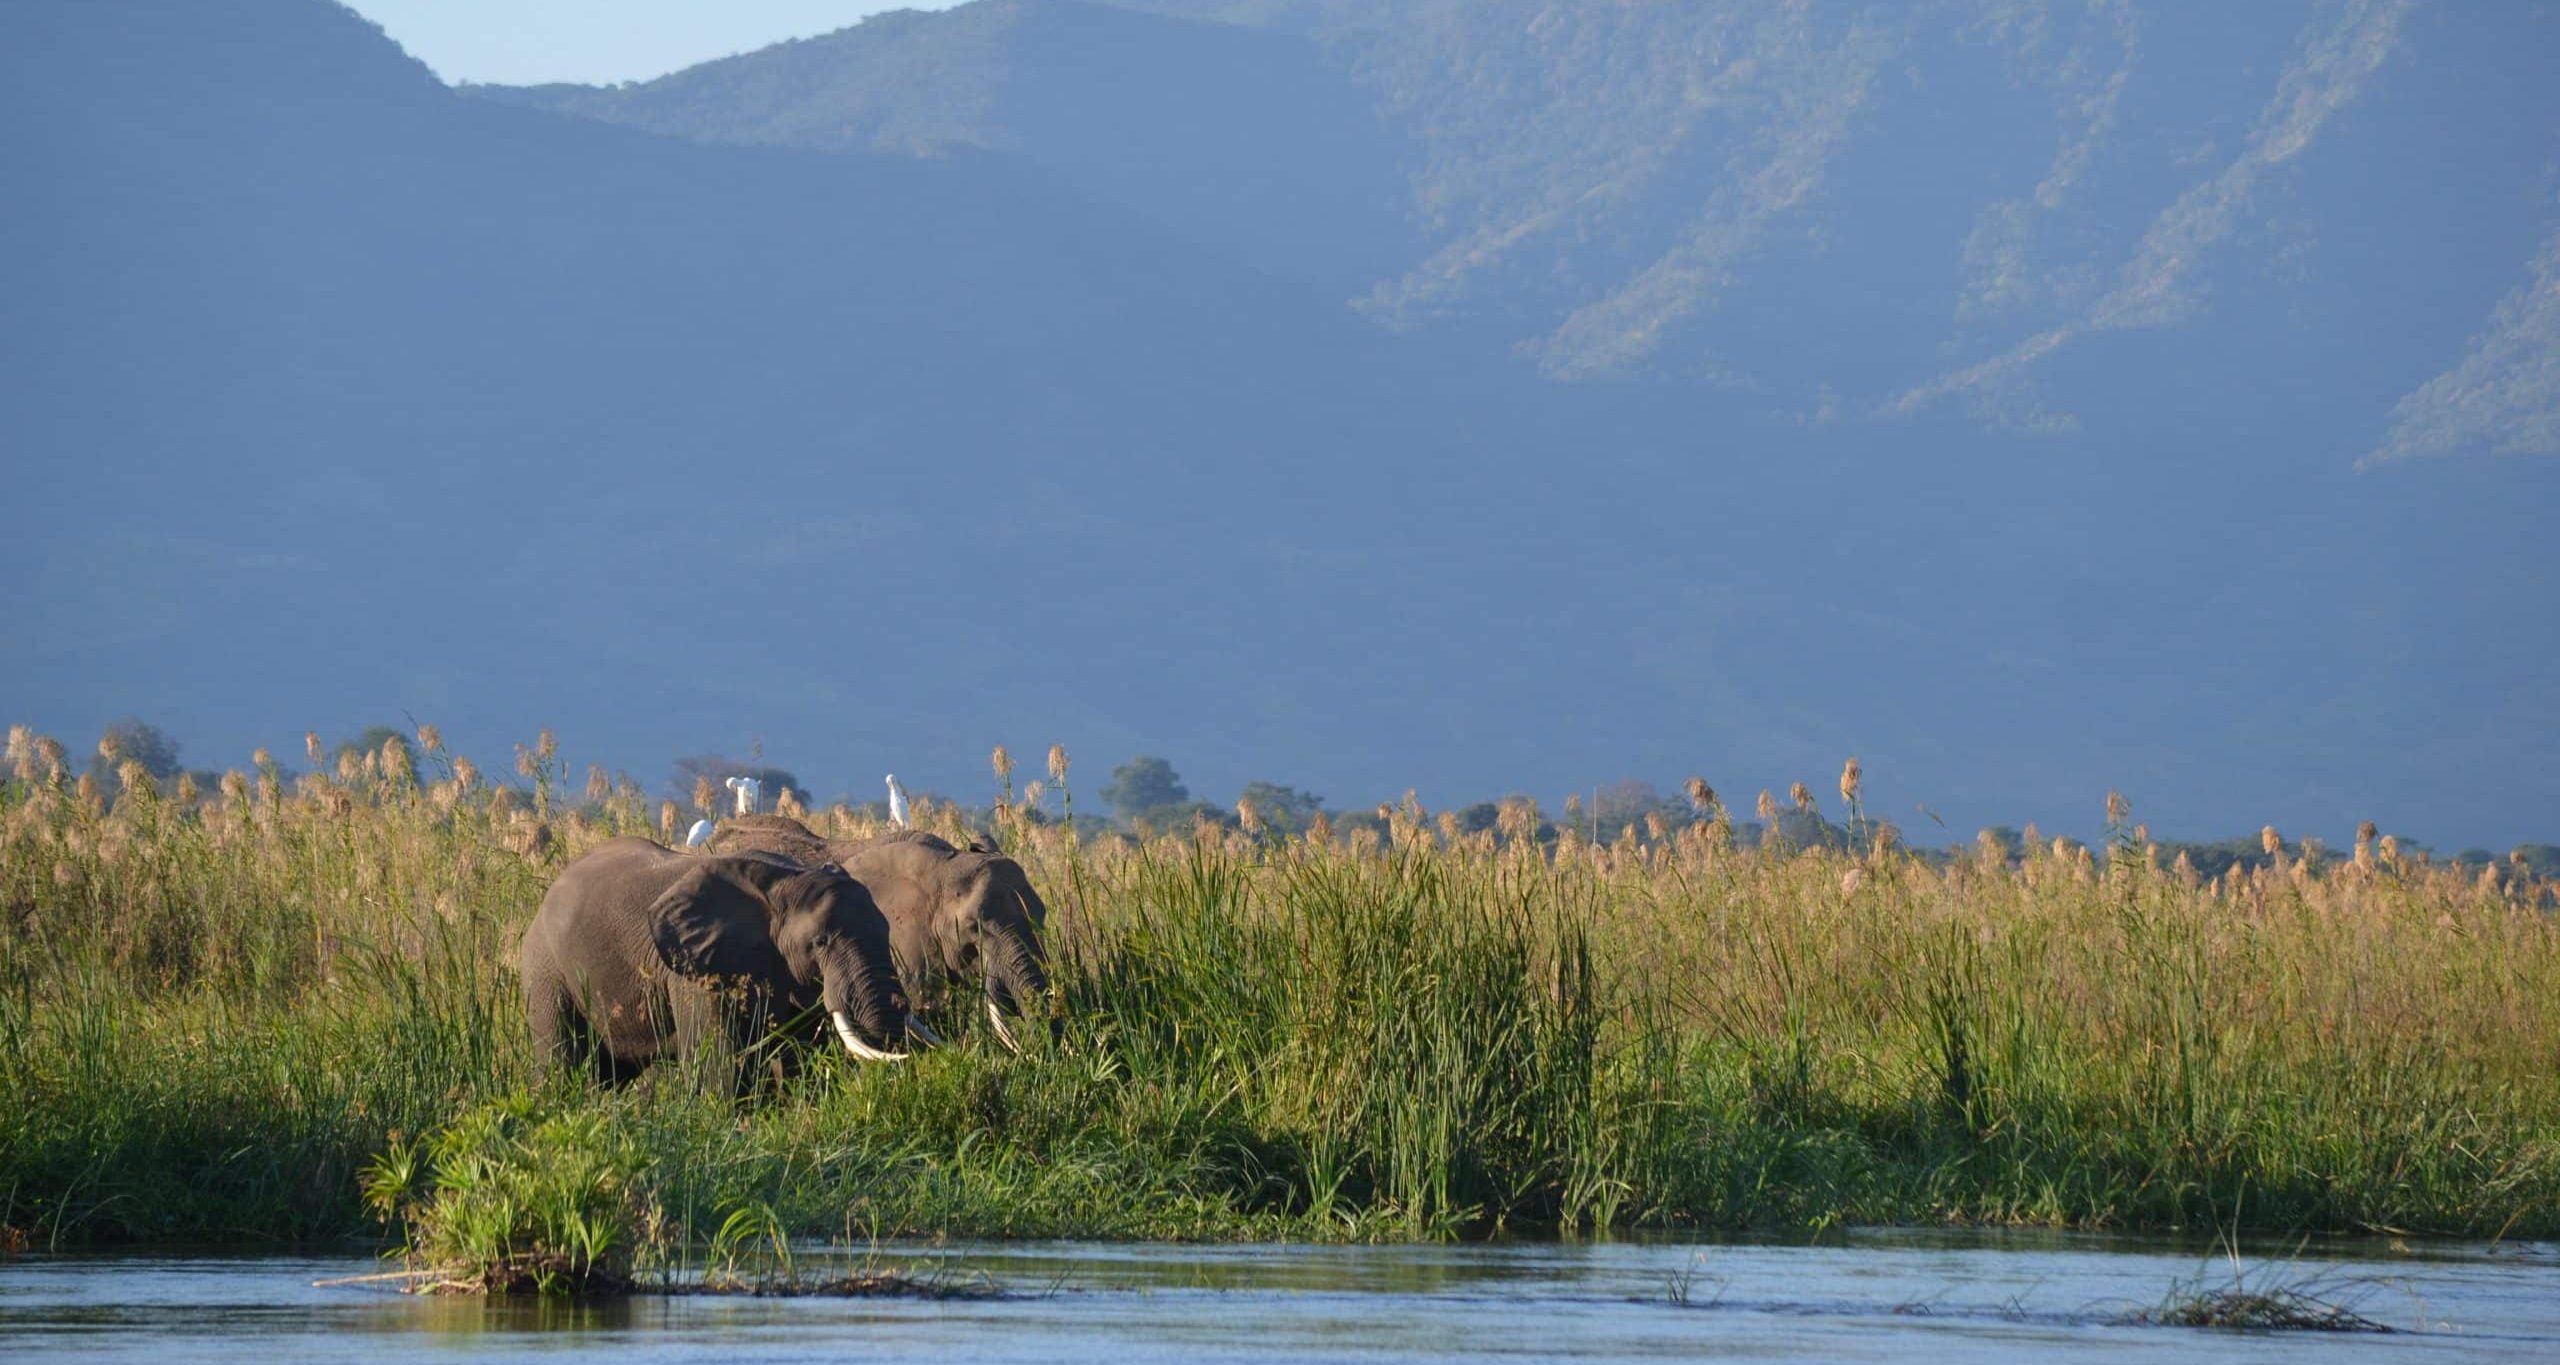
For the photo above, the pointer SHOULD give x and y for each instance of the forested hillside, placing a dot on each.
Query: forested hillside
(1474, 397)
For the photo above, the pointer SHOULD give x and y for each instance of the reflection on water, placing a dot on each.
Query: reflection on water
(1879, 1296)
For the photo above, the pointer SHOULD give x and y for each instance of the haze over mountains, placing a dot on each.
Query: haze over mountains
(1358, 394)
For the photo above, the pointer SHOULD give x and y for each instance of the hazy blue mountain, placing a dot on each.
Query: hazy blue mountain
(2029, 399)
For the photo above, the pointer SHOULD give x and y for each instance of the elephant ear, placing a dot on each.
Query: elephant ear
(714, 921)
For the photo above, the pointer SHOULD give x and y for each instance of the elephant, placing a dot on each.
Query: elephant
(639, 951)
(952, 910)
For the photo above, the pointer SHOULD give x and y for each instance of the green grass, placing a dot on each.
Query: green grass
(228, 1023)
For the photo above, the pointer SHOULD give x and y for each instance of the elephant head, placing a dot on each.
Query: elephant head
(959, 911)
(814, 933)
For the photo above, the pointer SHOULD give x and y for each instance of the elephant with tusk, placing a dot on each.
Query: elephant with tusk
(951, 910)
(640, 952)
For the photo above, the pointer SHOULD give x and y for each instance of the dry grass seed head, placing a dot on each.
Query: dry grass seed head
(1852, 781)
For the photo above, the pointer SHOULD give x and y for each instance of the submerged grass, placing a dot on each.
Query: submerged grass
(262, 1015)
(2273, 1297)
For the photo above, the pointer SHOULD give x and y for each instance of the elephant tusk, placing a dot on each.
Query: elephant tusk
(853, 1042)
(1004, 1035)
(916, 1029)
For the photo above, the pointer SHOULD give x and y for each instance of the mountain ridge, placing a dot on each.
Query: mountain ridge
(506, 417)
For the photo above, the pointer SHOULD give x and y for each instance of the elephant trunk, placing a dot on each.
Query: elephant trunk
(862, 1006)
(1016, 976)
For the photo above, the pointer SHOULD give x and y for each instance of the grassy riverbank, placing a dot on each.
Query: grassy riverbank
(219, 1011)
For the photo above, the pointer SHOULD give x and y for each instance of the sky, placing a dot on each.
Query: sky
(598, 42)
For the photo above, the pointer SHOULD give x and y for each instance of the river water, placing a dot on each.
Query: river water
(1860, 1297)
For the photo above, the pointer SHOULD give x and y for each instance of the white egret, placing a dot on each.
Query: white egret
(897, 802)
(699, 835)
(748, 789)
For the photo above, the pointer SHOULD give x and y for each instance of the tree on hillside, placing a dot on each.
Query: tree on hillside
(138, 741)
(1628, 801)
(1286, 810)
(370, 740)
(1143, 784)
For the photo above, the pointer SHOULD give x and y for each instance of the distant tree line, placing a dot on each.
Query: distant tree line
(1146, 796)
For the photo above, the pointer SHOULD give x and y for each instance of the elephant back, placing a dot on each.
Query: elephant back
(779, 835)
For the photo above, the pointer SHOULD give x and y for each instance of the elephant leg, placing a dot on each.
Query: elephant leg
(706, 1031)
(560, 1036)
(566, 1033)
